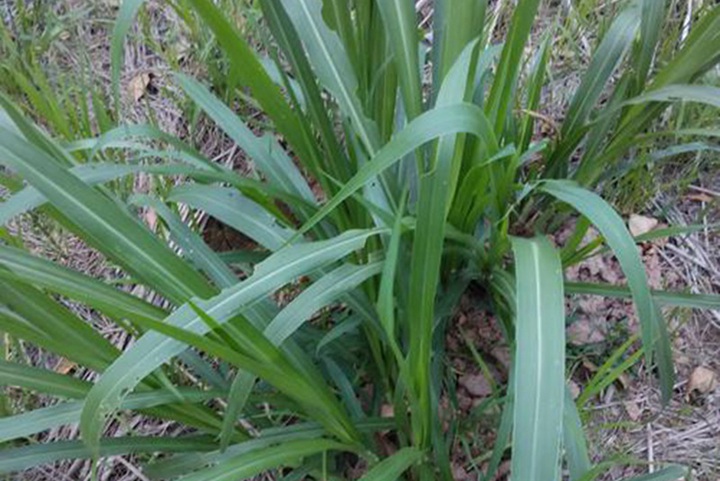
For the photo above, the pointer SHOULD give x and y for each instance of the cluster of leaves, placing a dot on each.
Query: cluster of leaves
(425, 182)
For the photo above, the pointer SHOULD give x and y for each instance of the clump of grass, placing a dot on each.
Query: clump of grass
(32, 42)
(426, 183)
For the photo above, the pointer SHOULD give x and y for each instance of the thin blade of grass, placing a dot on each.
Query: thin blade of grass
(30, 198)
(455, 24)
(500, 99)
(75, 339)
(677, 299)
(651, 29)
(125, 18)
(704, 94)
(289, 41)
(576, 451)
(255, 462)
(321, 293)
(19, 459)
(400, 23)
(33, 422)
(427, 252)
(176, 466)
(671, 473)
(260, 357)
(615, 44)
(191, 243)
(236, 211)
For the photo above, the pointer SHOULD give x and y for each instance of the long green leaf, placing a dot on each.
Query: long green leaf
(455, 24)
(504, 431)
(288, 39)
(612, 227)
(540, 360)
(252, 220)
(400, 23)
(433, 206)
(249, 214)
(616, 43)
(699, 53)
(153, 349)
(33, 422)
(323, 292)
(176, 466)
(671, 473)
(704, 94)
(64, 332)
(332, 66)
(326, 290)
(19, 459)
(391, 468)
(94, 173)
(500, 99)
(265, 151)
(191, 243)
(30, 198)
(651, 29)
(42, 380)
(126, 15)
(22, 266)
(255, 462)
(104, 224)
(235, 210)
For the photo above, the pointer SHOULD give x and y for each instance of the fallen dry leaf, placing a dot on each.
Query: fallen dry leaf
(138, 86)
(590, 366)
(459, 473)
(151, 219)
(702, 380)
(584, 331)
(574, 389)
(182, 49)
(624, 380)
(640, 224)
(476, 385)
(700, 198)
(64, 366)
(502, 355)
(633, 410)
(682, 359)
(654, 269)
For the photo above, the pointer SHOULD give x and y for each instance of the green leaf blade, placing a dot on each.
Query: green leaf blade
(539, 387)
(611, 226)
